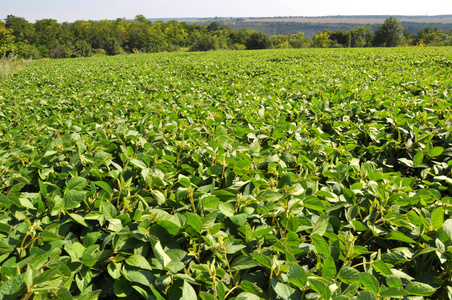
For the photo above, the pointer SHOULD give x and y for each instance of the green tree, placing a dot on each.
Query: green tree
(280, 41)
(322, 39)
(258, 40)
(22, 30)
(389, 34)
(48, 33)
(361, 37)
(430, 36)
(299, 40)
(7, 45)
(204, 42)
(341, 38)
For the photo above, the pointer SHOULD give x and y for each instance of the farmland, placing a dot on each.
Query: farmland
(292, 174)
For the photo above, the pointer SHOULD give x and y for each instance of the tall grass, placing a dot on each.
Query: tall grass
(10, 64)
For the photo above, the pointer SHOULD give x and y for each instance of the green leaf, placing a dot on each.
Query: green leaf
(156, 293)
(348, 275)
(195, 221)
(12, 287)
(320, 245)
(398, 236)
(79, 219)
(243, 263)
(329, 267)
(381, 267)
(437, 217)
(447, 227)
(108, 210)
(73, 198)
(320, 226)
(139, 262)
(188, 292)
(284, 291)
(297, 276)
(369, 282)
(313, 203)
(226, 209)
(76, 184)
(252, 288)
(246, 296)
(420, 289)
(320, 287)
(138, 163)
(285, 180)
(161, 256)
(263, 260)
(271, 196)
(366, 295)
(423, 251)
(436, 151)
(393, 292)
(103, 185)
(28, 278)
(159, 197)
(261, 231)
(418, 158)
(115, 225)
(122, 288)
(393, 281)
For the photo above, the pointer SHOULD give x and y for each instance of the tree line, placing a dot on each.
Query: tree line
(47, 38)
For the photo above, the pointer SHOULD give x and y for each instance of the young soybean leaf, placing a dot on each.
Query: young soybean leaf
(320, 287)
(195, 221)
(29, 278)
(381, 267)
(436, 151)
(252, 288)
(369, 282)
(161, 256)
(297, 276)
(329, 267)
(284, 291)
(437, 217)
(188, 292)
(418, 158)
(73, 198)
(348, 275)
(138, 261)
(103, 185)
(447, 226)
(366, 295)
(262, 259)
(420, 289)
(76, 183)
(320, 245)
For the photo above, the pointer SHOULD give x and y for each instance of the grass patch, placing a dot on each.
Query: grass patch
(10, 64)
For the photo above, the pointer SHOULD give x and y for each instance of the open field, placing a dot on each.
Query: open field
(295, 174)
(349, 20)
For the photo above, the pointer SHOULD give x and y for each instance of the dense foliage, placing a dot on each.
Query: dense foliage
(48, 38)
(284, 174)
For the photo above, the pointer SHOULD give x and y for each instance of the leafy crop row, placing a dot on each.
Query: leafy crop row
(240, 175)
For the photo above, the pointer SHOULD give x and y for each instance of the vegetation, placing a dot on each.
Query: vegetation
(289, 174)
(47, 38)
(389, 34)
(9, 65)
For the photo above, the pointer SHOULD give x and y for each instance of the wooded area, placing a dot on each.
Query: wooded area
(47, 38)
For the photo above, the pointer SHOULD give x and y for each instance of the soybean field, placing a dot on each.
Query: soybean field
(276, 174)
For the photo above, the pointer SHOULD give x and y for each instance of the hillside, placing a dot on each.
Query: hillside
(311, 25)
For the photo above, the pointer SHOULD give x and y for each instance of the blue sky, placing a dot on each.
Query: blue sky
(70, 10)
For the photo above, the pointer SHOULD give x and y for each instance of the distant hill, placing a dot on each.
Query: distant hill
(311, 25)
